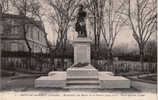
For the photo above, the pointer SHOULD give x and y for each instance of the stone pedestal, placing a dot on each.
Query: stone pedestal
(82, 50)
(85, 76)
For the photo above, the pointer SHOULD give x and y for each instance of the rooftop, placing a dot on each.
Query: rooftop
(38, 24)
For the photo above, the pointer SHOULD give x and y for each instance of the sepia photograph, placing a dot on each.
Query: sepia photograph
(78, 49)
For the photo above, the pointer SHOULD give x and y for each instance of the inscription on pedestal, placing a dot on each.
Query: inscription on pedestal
(81, 51)
(82, 54)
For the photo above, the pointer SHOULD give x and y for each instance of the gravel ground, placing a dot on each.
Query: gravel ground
(144, 87)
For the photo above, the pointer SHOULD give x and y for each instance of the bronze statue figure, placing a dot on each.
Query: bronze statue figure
(80, 25)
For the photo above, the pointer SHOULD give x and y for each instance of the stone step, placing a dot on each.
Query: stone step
(88, 70)
(82, 82)
(82, 87)
(82, 77)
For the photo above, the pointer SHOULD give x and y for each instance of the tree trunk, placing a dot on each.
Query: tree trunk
(63, 52)
(98, 45)
(28, 46)
(142, 57)
(109, 56)
(95, 36)
(62, 55)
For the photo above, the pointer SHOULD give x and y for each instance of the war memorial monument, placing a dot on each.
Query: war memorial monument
(82, 74)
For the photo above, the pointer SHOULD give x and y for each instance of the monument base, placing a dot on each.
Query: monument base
(82, 77)
(105, 80)
(86, 71)
(55, 80)
(108, 81)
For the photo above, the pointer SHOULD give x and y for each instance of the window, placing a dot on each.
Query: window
(7, 28)
(14, 47)
(41, 49)
(1, 29)
(31, 32)
(21, 47)
(35, 34)
(42, 37)
(15, 30)
(37, 49)
(38, 33)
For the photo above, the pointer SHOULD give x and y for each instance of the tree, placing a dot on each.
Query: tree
(112, 23)
(95, 8)
(4, 4)
(142, 17)
(62, 15)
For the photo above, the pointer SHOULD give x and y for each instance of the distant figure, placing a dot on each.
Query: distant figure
(80, 25)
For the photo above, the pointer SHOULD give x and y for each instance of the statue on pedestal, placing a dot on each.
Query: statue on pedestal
(80, 25)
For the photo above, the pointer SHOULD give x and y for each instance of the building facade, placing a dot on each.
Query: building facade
(12, 35)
